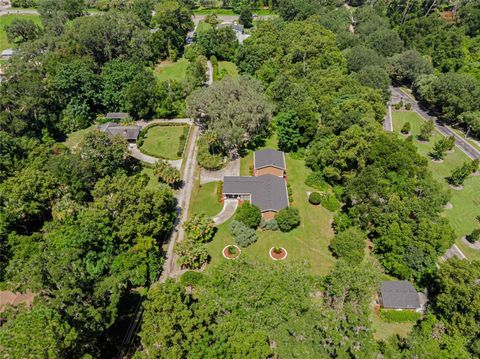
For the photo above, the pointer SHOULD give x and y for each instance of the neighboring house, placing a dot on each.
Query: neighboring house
(269, 161)
(7, 54)
(237, 28)
(267, 189)
(399, 295)
(117, 116)
(130, 133)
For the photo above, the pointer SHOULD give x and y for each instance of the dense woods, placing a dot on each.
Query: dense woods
(82, 229)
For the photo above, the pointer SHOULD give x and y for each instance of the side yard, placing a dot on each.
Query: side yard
(466, 203)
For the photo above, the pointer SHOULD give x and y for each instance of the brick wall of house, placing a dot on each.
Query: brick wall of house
(269, 171)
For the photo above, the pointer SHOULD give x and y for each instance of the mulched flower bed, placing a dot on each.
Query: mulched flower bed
(226, 253)
(278, 256)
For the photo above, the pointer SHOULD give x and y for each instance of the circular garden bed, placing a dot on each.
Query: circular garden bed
(278, 253)
(231, 252)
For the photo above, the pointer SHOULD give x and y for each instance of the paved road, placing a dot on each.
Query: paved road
(209, 73)
(20, 12)
(469, 150)
(453, 251)
(231, 169)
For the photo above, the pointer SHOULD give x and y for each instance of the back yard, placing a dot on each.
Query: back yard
(466, 202)
(7, 20)
(168, 70)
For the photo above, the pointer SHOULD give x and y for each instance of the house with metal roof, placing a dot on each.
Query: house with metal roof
(267, 188)
(130, 133)
(399, 294)
(269, 161)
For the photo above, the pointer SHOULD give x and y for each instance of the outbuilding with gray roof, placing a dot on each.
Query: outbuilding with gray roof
(399, 294)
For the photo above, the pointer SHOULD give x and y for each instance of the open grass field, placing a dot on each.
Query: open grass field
(383, 330)
(204, 199)
(7, 20)
(309, 242)
(466, 203)
(163, 142)
(167, 70)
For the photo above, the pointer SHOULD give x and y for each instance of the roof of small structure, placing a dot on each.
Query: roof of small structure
(114, 129)
(269, 157)
(117, 115)
(399, 294)
(268, 192)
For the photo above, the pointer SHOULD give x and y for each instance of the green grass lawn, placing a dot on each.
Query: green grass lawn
(74, 138)
(466, 203)
(168, 70)
(7, 20)
(163, 142)
(203, 27)
(227, 68)
(309, 242)
(383, 330)
(153, 182)
(204, 199)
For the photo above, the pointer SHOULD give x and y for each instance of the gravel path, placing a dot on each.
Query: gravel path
(136, 153)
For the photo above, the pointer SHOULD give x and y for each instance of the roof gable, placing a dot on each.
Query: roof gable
(269, 157)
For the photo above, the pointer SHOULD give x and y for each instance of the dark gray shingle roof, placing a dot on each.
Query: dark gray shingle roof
(268, 192)
(114, 129)
(117, 115)
(399, 294)
(269, 157)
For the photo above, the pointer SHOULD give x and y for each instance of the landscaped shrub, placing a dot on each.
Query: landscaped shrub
(338, 191)
(341, 222)
(200, 228)
(330, 202)
(288, 218)
(426, 131)
(290, 193)
(271, 225)
(191, 254)
(315, 198)
(349, 245)
(219, 191)
(244, 236)
(399, 316)
(398, 105)
(316, 180)
(406, 128)
(249, 214)
(474, 236)
(408, 106)
(191, 278)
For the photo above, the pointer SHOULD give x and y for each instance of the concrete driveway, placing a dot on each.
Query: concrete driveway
(229, 207)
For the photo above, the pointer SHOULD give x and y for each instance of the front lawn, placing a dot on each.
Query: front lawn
(205, 200)
(168, 70)
(309, 242)
(74, 138)
(163, 142)
(7, 20)
(466, 203)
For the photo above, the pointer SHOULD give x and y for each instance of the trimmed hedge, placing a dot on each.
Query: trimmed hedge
(315, 198)
(399, 316)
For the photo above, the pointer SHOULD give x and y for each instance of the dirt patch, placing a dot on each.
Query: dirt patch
(456, 188)
(437, 161)
(230, 254)
(448, 206)
(476, 173)
(423, 142)
(278, 255)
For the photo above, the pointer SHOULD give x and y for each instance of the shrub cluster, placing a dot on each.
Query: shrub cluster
(249, 214)
(349, 245)
(474, 236)
(330, 202)
(183, 140)
(244, 235)
(406, 128)
(316, 180)
(288, 218)
(206, 159)
(271, 225)
(315, 198)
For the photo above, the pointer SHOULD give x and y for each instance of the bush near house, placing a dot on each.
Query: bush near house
(249, 214)
(406, 128)
(399, 316)
(288, 218)
(244, 235)
(315, 198)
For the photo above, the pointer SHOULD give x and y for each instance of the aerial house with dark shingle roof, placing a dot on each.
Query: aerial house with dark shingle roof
(130, 133)
(269, 161)
(399, 294)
